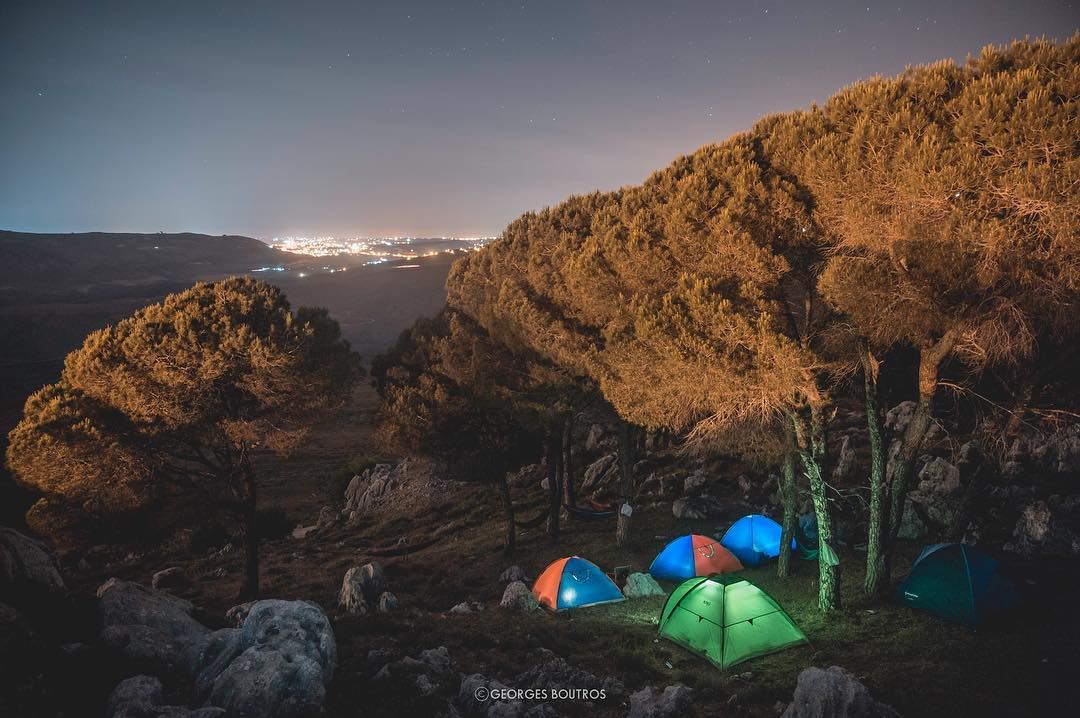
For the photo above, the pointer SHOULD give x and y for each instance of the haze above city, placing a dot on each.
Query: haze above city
(414, 118)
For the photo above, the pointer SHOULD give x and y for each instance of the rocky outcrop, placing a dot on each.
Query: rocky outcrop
(518, 597)
(640, 585)
(27, 568)
(141, 697)
(361, 588)
(834, 693)
(601, 473)
(277, 665)
(153, 630)
(1048, 527)
(368, 489)
(675, 700)
(696, 507)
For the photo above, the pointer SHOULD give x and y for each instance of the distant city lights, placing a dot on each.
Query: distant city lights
(381, 248)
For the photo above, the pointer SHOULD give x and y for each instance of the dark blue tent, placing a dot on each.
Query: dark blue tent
(754, 539)
(959, 583)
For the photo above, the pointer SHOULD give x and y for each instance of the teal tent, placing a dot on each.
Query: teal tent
(959, 583)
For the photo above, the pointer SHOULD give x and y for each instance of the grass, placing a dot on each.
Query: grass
(921, 666)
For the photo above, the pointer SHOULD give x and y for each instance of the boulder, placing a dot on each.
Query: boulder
(141, 697)
(302, 532)
(675, 700)
(238, 613)
(173, 577)
(20, 646)
(153, 628)
(362, 587)
(694, 482)
(27, 569)
(940, 477)
(368, 489)
(327, 517)
(911, 524)
(1058, 452)
(518, 597)
(1049, 527)
(600, 473)
(282, 659)
(388, 602)
(474, 698)
(640, 585)
(551, 671)
(833, 693)
(514, 573)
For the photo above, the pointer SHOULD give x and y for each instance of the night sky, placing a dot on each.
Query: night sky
(424, 118)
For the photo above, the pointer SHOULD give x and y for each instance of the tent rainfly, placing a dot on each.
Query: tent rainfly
(573, 582)
(959, 583)
(693, 555)
(727, 622)
(754, 539)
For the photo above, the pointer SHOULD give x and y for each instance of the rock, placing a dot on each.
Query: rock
(552, 672)
(603, 471)
(1059, 452)
(474, 698)
(424, 685)
(911, 524)
(514, 573)
(362, 587)
(367, 489)
(595, 438)
(285, 657)
(640, 585)
(238, 613)
(20, 646)
(696, 507)
(1049, 527)
(437, 659)
(302, 532)
(153, 628)
(141, 697)
(27, 569)
(467, 607)
(833, 693)
(388, 602)
(173, 577)
(518, 597)
(327, 517)
(938, 476)
(847, 463)
(528, 476)
(675, 700)
(694, 482)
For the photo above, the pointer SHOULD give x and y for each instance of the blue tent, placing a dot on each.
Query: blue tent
(573, 582)
(693, 555)
(959, 583)
(754, 539)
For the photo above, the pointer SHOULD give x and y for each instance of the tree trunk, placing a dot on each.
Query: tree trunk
(250, 589)
(554, 474)
(931, 356)
(811, 443)
(626, 483)
(569, 498)
(508, 511)
(790, 499)
(876, 580)
(1020, 404)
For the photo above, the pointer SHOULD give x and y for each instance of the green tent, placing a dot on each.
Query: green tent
(727, 621)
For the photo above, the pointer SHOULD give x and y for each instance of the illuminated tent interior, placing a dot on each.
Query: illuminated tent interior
(727, 622)
(574, 582)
